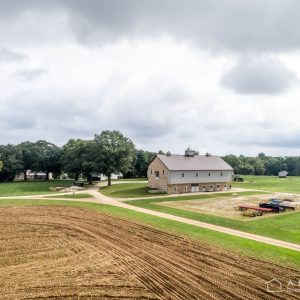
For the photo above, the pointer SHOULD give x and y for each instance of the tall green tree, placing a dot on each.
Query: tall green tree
(79, 158)
(88, 159)
(259, 167)
(12, 164)
(114, 153)
(72, 157)
(29, 154)
(140, 164)
(48, 158)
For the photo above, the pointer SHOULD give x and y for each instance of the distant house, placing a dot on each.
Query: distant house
(99, 177)
(189, 173)
(31, 175)
(282, 174)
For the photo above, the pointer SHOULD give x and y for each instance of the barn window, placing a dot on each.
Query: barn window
(157, 174)
(151, 172)
(221, 173)
(208, 174)
(182, 175)
(197, 174)
(175, 189)
(163, 172)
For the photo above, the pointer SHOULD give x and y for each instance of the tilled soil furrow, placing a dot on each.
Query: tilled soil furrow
(73, 253)
(225, 283)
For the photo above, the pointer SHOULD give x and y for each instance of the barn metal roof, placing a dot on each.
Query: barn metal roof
(177, 162)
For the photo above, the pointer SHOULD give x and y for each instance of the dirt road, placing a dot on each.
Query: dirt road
(52, 252)
(102, 199)
(107, 200)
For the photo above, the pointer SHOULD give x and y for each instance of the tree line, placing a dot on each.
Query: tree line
(111, 152)
(108, 153)
(264, 165)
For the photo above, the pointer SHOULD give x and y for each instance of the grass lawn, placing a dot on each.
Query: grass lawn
(285, 226)
(243, 246)
(24, 188)
(73, 196)
(128, 190)
(131, 179)
(270, 183)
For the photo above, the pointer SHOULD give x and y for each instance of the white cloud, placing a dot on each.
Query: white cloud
(262, 75)
(153, 73)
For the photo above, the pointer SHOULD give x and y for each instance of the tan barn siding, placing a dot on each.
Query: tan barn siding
(157, 166)
(187, 187)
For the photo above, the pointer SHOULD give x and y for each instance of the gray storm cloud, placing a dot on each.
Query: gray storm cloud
(7, 55)
(259, 76)
(249, 25)
(156, 70)
(31, 74)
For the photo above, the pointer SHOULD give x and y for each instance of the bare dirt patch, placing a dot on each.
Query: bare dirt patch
(56, 252)
(227, 206)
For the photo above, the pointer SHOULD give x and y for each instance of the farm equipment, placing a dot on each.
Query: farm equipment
(278, 205)
(238, 178)
(275, 207)
(253, 211)
(79, 183)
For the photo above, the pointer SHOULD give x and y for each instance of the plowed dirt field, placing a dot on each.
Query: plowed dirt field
(55, 252)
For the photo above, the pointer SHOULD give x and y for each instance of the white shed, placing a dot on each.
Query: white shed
(282, 174)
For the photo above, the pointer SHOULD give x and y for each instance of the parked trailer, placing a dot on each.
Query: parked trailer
(245, 207)
(289, 205)
(253, 211)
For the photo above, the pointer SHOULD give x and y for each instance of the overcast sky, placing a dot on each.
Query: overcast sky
(220, 76)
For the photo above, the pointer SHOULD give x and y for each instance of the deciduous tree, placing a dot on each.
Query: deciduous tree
(114, 153)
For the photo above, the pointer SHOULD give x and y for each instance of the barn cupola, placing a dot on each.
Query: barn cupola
(189, 152)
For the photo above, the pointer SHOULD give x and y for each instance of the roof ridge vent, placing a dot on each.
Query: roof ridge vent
(189, 152)
(207, 154)
(169, 153)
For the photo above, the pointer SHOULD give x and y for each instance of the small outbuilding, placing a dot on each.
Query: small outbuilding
(282, 174)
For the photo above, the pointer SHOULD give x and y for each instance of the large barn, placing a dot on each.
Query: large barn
(189, 173)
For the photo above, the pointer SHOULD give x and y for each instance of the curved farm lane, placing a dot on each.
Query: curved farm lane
(52, 252)
(102, 199)
(238, 233)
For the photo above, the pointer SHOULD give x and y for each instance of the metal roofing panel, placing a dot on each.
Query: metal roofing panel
(177, 162)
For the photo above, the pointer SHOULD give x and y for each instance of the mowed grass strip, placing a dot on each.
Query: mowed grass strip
(73, 196)
(128, 190)
(284, 226)
(270, 183)
(131, 179)
(27, 188)
(240, 245)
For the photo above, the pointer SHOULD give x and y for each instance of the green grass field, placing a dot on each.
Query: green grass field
(270, 183)
(131, 179)
(26, 188)
(128, 190)
(240, 245)
(284, 226)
